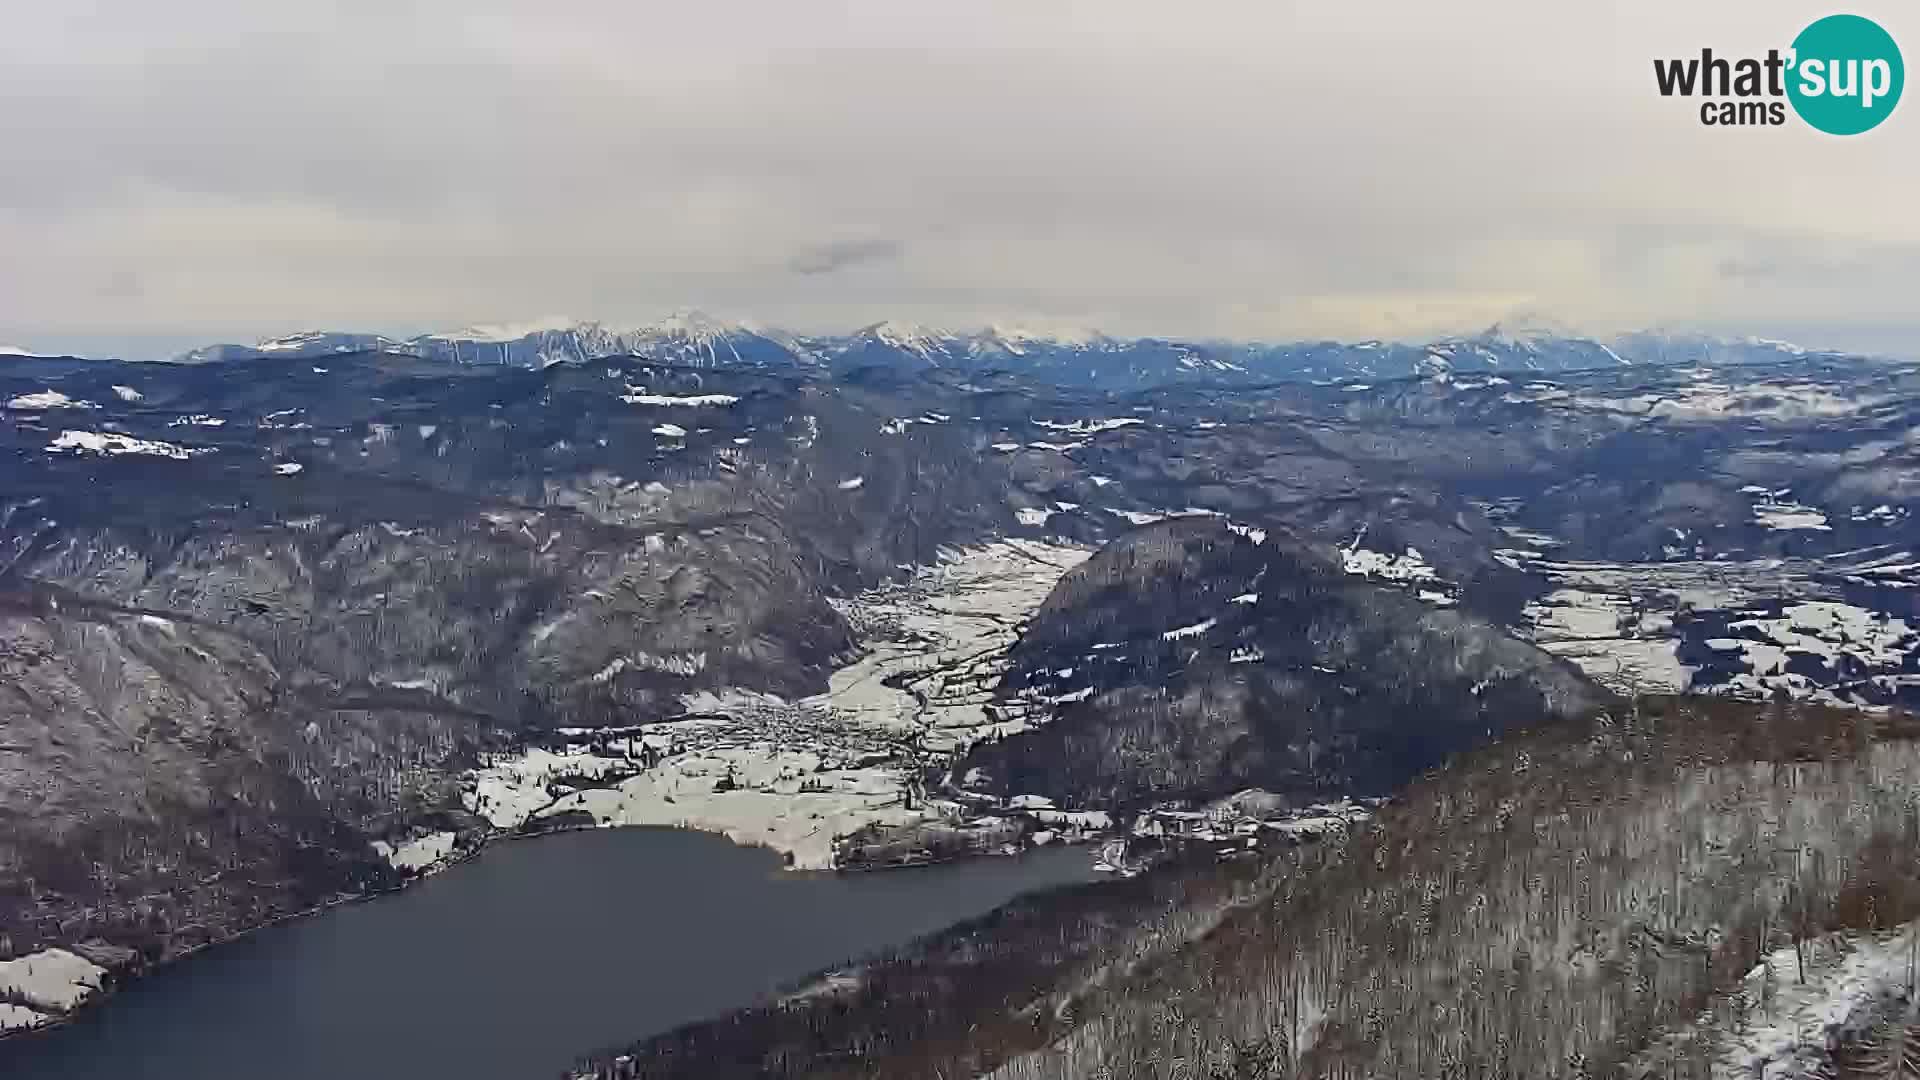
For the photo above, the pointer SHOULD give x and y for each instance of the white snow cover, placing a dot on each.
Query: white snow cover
(1090, 427)
(48, 399)
(511, 789)
(417, 853)
(783, 799)
(128, 393)
(1077, 337)
(1073, 819)
(1826, 629)
(107, 442)
(637, 395)
(15, 350)
(1195, 630)
(671, 431)
(918, 340)
(197, 420)
(854, 483)
(1616, 621)
(1408, 566)
(501, 332)
(289, 342)
(1605, 636)
(51, 980)
(1032, 515)
(19, 1017)
(288, 468)
(1708, 401)
(1782, 1025)
(1789, 516)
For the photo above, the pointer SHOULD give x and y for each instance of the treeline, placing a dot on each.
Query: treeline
(959, 1002)
(1546, 907)
(1540, 910)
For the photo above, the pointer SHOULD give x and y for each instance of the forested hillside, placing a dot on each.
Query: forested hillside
(1553, 906)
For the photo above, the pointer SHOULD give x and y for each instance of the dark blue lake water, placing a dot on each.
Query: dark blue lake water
(511, 965)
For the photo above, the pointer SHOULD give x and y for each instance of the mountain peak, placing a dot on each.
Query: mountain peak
(298, 340)
(693, 325)
(922, 341)
(1016, 336)
(495, 332)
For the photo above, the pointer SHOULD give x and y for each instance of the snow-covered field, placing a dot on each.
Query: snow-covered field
(38, 988)
(418, 853)
(108, 443)
(1610, 637)
(1745, 628)
(799, 776)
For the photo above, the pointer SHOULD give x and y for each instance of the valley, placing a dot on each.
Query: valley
(276, 642)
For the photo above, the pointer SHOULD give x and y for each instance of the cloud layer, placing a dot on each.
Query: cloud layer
(208, 169)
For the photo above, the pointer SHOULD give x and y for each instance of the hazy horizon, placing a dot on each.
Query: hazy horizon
(1893, 344)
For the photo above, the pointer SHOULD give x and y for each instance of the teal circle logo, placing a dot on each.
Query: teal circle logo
(1846, 75)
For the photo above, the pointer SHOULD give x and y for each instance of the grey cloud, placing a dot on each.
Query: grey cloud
(1270, 169)
(121, 285)
(839, 255)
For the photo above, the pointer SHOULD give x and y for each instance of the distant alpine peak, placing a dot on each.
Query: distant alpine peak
(501, 332)
(1071, 337)
(15, 350)
(930, 342)
(682, 325)
(302, 341)
(1774, 343)
(922, 341)
(1519, 331)
(693, 325)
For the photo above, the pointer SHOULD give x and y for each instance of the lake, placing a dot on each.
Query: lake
(514, 964)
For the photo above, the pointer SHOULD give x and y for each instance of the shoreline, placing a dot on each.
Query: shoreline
(120, 979)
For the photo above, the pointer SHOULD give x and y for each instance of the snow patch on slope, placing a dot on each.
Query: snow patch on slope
(48, 399)
(109, 443)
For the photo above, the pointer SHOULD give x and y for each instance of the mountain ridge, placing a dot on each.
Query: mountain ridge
(1072, 357)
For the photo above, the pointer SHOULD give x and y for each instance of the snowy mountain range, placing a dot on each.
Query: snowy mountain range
(372, 609)
(1065, 357)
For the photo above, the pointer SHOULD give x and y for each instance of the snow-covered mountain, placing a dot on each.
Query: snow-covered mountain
(302, 344)
(1065, 357)
(686, 337)
(894, 344)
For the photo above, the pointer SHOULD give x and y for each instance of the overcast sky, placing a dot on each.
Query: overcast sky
(203, 170)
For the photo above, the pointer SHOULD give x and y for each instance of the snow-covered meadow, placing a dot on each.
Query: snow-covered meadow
(39, 988)
(1740, 627)
(798, 776)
